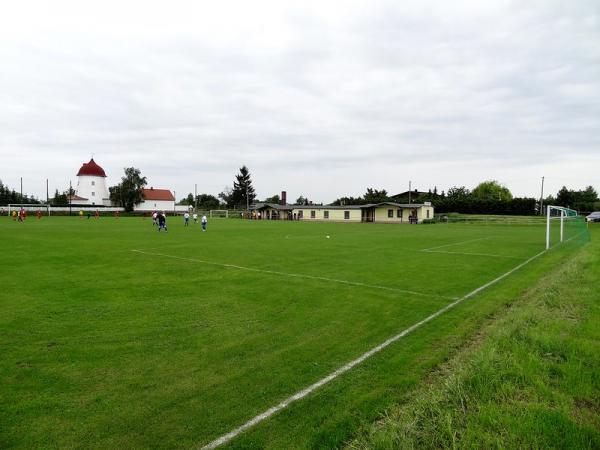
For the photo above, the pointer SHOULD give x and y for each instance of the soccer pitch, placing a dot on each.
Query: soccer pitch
(115, 336)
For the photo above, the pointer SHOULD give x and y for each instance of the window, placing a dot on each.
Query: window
(325, 214)
(346, 215)
(93, 194)
(313, 214)
(399, 214)
(428, 214)
(93, 183)
(300, 214)
(390, 213)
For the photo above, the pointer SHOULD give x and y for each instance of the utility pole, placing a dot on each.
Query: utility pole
(542, 199)
(21, 190)
(70, 195)
(196, 197)
(409, 192)
(247, 199)
(47, 196)
(175, 202)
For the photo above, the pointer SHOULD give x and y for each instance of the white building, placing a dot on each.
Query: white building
(157, 200)
(91, 186)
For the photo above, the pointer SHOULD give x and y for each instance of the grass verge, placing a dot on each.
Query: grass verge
(530, 378)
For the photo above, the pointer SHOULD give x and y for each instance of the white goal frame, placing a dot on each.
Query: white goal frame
(562, 217)
(210, 213)
(29, 207)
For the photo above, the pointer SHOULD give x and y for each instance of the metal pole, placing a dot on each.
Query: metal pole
(548, 228)
(196, 197)
(21, 190)
(247, 199)
(47, 197)
(562, 225)
(70, 190)
(409, 192)
(542, 199)
(175, 202)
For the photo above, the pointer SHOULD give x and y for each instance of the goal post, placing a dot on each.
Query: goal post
(218, 213)
(570, 224)
(29, 207)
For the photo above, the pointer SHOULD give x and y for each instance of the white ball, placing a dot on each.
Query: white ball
(327, 236)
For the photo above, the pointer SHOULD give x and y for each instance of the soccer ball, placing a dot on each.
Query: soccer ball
(327, 236)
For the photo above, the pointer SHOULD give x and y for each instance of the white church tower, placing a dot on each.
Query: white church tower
(91, 186)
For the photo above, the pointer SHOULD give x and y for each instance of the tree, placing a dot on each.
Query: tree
(207, 202)
(274, 199)
(227, 196)
(301, 200)
(189, 200)
(128, 192)
(243, 192)
(491, 190)
(458, 192)
(375, 196)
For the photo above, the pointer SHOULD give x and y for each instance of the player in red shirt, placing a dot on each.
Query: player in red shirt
(38, 214)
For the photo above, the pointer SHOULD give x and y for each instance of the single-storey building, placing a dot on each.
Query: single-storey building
(156, 200)
(385, 212)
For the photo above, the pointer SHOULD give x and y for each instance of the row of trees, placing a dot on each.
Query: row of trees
(8, 196)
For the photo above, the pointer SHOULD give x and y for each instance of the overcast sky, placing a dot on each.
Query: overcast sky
(320, 98)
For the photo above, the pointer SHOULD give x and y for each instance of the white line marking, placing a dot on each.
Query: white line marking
(298, 275)
(332, 376)
(470, 254)
(456, 243)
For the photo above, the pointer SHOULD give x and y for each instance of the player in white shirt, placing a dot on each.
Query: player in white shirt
(186, 219)
(195, 216)
(204, 223)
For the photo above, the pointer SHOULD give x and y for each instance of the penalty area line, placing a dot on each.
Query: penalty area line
(455, 243)
(296, 275)
(332, 376)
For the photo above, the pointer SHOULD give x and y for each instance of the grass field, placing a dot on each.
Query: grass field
(114, 335)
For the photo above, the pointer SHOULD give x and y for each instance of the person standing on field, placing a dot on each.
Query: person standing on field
(154, 218)
(162, 222)
(186, 219)
(204, 223)
(195, 216)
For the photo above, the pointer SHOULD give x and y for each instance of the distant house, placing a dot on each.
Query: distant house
(156, 200)
(385, 212)
(408, 196)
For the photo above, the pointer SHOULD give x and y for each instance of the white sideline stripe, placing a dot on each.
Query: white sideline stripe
(455, 243)
(470, 254)
(303, 393)
(297, 275)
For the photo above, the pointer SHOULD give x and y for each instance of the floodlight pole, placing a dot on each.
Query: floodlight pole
(196, 197)
(21, 189)
(542, 199)
(70, 195)
(409, 191)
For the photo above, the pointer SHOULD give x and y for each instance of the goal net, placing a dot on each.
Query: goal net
(563, 225)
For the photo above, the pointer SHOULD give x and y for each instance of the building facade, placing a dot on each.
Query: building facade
(156, 200)
(386, 212)
(91, 189)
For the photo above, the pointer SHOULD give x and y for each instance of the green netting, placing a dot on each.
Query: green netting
(574, 226)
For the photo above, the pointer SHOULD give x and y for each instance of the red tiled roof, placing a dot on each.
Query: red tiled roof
(92, 169)
(157, 194)
(77, 197)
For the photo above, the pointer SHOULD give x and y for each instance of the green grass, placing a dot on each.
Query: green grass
(530, 378)
(103, 347)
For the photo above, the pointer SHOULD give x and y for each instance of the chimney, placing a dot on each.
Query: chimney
(283, 199)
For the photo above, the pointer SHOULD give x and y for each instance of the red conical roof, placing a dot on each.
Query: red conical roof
(91, 169)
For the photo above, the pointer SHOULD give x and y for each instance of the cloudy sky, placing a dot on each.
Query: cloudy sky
(320, 98)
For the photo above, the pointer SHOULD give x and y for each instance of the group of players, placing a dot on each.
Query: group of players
(22, 215)
(159, 219)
